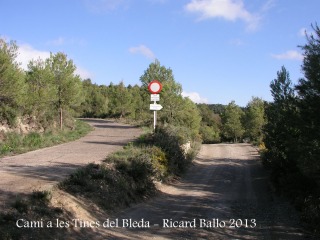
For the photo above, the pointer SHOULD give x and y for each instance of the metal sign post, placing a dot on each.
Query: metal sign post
(154, 120)
(155, 88)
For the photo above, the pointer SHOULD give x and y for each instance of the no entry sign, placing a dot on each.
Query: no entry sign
(155, 87)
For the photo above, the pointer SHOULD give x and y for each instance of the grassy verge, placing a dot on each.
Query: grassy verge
(16, 143)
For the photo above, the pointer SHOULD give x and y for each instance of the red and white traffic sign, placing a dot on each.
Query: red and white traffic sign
(155, 87)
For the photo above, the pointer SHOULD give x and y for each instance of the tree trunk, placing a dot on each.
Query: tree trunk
(61, 123)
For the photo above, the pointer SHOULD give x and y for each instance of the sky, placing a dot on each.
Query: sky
(218, 50)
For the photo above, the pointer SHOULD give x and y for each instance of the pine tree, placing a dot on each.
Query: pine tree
(255, 120)
(309, 103)
(232, 126)
(40, 91)
(281, 132)
(68, 86)
(12, 87)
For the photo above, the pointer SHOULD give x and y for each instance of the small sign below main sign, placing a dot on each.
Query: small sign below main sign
(155, 107)
(155, 97)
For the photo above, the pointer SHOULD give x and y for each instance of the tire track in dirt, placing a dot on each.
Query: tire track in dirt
(43, 168)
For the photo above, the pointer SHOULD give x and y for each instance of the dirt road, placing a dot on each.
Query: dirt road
(41, 169)
(225, 195)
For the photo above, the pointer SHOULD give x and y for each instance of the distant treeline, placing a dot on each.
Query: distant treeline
(214, 122)
(51, 92)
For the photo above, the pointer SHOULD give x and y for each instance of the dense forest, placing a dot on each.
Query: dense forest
(286, 129)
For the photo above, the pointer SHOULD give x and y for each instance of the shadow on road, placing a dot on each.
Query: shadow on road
(113, 126)
(56, 170)
(93, 120)
(233, 189)
(39, 178)
(101, 123)
(116, 143)
(227, 188)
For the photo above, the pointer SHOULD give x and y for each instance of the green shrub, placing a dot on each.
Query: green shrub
(32, 140)
(43, 196)
(80, 176)
(209, 135)
(140, 170)
(153, 156)
(170, 139)
(5, 148)
(194, 150)
(8, 114)
(21, 205)
(14, 140)
(136, 163)
(159, 162)
(114, 185)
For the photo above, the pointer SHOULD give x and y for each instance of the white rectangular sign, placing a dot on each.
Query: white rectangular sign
(155, 97)
(155, 107)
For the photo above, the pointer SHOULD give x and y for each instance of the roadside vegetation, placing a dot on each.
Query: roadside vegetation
(15, 143)
(34, 211)
(292, 136)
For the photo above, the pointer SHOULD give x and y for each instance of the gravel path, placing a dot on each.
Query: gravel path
(43, 168)
(225, 194)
